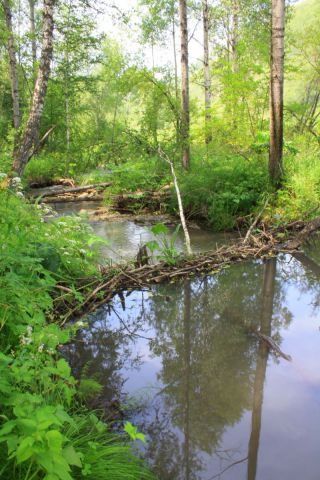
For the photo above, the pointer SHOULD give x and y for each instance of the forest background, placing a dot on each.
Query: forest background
(114, 98)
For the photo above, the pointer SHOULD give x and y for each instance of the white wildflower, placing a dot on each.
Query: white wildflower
(40, 348)
(25, 340)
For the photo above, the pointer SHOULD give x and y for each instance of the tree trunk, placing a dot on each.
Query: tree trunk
(276, 91)
(187, 377)
(33, 35)
(68, 132)
(268, 292)
(235, 34)
(14, 76)
(206, 71)
(175, 75)
(185, 114)
(25, 149)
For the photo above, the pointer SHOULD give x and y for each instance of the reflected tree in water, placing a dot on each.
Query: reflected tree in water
(212, 369)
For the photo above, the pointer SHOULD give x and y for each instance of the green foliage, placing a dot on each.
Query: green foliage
(224, 189)
(138, 175)
(89, 388)
(300, 197)
(40, 432)
(133, 433)
(164, 245)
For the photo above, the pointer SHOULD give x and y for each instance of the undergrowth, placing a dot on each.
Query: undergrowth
(144, 174)
(223, 189)
(45, 432)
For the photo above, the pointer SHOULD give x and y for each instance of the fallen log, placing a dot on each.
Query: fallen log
(309, 228)
(83, 198)
(119, 278)
(58, 191)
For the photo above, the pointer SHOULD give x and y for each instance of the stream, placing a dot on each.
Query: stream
(182, 363)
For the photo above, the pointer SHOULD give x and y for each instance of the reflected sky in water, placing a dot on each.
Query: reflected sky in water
(126, 236)
(183, 363)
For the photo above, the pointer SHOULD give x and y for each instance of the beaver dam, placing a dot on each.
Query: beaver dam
(179, 352)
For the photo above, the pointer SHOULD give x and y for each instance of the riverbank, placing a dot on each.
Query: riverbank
(46, 428)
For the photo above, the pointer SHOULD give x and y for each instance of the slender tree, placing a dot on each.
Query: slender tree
(235, 11)
(14, 75)
(206, 71)
(276, 91)
(32, 4)
(185, 113)
(25, 149)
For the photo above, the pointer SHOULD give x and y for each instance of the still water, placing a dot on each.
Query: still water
(125, 236)
(181, 362)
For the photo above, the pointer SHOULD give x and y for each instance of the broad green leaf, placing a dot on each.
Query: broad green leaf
(71, 456)
(55, 439)
(7, 428)
(63, 368)
(153, 245)
(25, 449)
(133, 433)
(159, 229)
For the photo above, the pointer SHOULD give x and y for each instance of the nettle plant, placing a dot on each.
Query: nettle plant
(36, 389)
(44, 429)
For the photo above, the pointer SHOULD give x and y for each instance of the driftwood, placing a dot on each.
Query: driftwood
(55, 190)
(255, 223)
(123, 277)
(83, 198)
(309, 228)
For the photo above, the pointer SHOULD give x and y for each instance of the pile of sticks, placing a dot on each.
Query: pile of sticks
(263, 243)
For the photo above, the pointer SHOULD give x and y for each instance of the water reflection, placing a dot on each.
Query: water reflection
(126, 236)
(182, 363)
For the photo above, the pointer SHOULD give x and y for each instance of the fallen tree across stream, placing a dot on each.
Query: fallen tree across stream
(58, 191)
(118, 278)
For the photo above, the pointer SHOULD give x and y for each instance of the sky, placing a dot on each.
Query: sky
(129, 37)
(109, 24)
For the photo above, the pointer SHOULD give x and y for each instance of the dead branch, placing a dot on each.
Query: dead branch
(254, 224)
(124, 277)
(165, 157)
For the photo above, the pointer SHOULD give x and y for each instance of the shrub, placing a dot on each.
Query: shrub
(223, 189)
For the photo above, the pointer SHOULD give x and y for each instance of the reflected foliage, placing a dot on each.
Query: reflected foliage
(208, 369)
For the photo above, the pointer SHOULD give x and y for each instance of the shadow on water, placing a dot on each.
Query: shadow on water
(182, 363)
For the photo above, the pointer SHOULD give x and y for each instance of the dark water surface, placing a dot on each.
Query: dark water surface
(183, 364)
